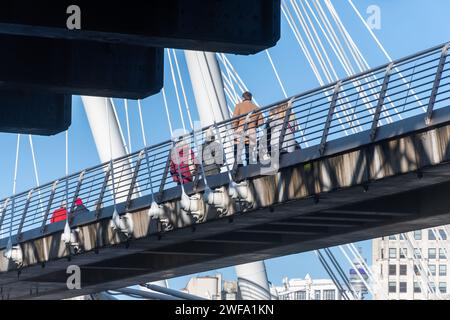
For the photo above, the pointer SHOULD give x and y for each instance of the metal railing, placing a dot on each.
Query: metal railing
(418, 84)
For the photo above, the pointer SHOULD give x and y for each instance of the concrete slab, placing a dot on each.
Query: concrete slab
(80, 67)
(38, 113)
(234, 26)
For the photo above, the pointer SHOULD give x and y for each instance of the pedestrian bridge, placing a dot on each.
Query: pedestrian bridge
(373, 161)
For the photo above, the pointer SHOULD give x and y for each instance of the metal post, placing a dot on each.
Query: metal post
(3, 212)
(437, 82)
(77, 193)
(133, 179)
(326, 130)
(376, 116)
(49, 206)
(164, 177)
(24, 214)
(285, 123)
(102, 191)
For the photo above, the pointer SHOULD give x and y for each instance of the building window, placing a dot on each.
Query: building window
(418, 234)
(443, 234)
(403, 269)
(432, 287)
(403, 287)
(382, 254)
(393, 237)
(416, 270)
(432, 268)
(392, 270)
(417, 288)
(300, 295)
(443, 287)
(392, 287)
(403, 253)
(432, 253)
(417, 253)
(317, 294)
(442, 254)
(392, 253)
(443, 270)
(329, 294)
(431, 235)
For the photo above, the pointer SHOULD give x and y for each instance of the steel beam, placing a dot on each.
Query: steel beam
(76, 194)
(3, 211)
(133, 179)
(380, 103)
(436, 83)
(331, 110)
(80, 67)
(99, 204)
(24, 214)
(31, 112)
(49, 206)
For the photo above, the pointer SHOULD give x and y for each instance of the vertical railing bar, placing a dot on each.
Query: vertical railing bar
(164, 177)
(76, 194)
(331, 110)
(436, 84)
(285, 123)
(380, 103)
(102, 191)
(49, 206)
(3, 211)
(133, 180)
(24, 214)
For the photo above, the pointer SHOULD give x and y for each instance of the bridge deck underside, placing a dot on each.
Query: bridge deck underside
(305, 225)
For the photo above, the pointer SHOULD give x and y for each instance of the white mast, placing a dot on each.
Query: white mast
(208, 87)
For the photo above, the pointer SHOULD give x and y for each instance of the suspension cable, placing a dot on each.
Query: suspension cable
(340, 53)
(16, 169)
(174, 80)
(67, 169)
(188, 109)
(127, 117)
(141, 119)
(358, 57)
(321, 62)
(111, 155)
(36, 173)
(276, 73)
(383, 50)
(169, 121)
(128, 151)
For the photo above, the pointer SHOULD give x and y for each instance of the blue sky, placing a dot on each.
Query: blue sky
(408, 26)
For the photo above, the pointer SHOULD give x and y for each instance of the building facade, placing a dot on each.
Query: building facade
(308, 289)
(215, 288)
(412, 266)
